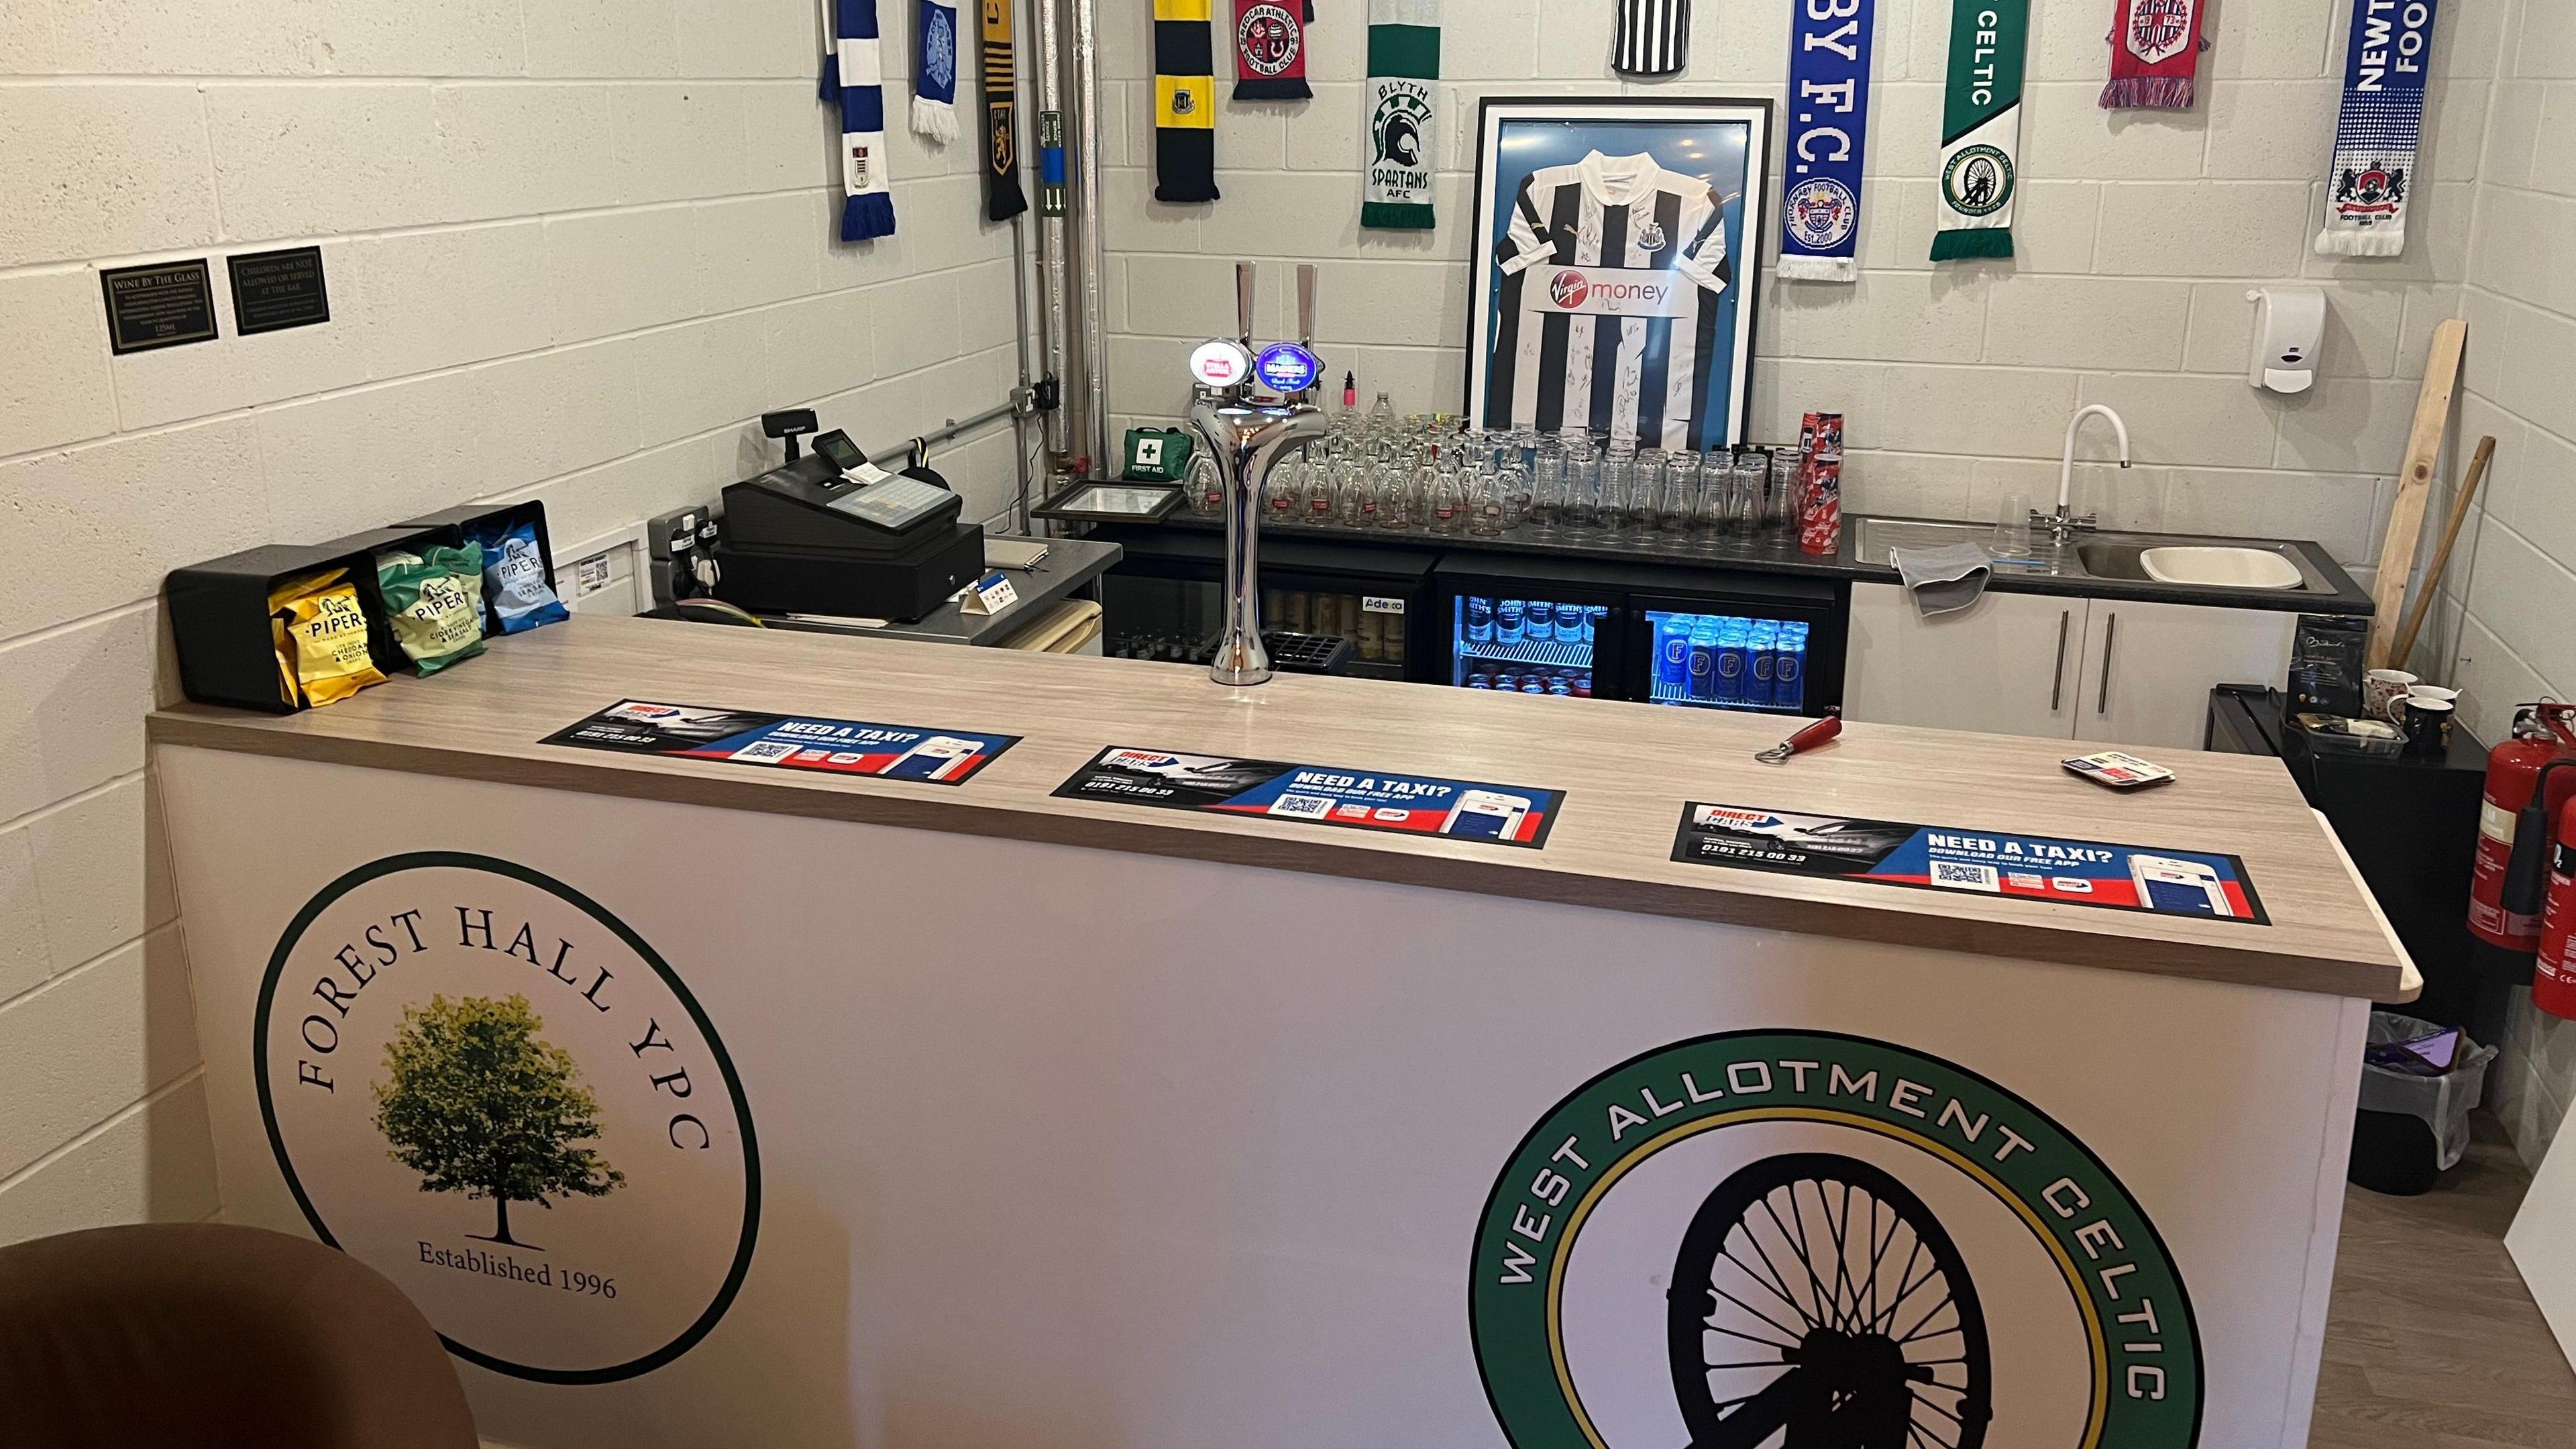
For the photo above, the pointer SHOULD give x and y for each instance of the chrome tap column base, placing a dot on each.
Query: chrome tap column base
(1247, 441)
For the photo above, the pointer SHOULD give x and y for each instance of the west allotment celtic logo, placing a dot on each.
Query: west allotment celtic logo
(489, 1089)
(1978, 181)
(1774, 1240)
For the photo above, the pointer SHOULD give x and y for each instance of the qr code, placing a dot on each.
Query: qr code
(766, 752)
(1965, 877)
(1304, 807)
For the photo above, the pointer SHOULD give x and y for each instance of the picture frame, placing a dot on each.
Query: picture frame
(1668, 358)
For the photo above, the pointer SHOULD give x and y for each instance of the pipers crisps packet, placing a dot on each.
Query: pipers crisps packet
(436, 600)
(321, 634)
(516, 593)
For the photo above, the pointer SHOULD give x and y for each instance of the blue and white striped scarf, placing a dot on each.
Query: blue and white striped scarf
(854, 76)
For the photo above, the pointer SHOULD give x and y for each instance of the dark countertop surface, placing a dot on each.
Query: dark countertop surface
(2330, 590)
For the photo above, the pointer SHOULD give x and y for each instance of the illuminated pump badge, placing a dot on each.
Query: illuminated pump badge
(1220, 364)
(1287, 368)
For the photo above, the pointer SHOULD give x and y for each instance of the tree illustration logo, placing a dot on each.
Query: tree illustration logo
(478, 1103)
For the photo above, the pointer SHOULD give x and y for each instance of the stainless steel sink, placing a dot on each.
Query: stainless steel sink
(2117, 557)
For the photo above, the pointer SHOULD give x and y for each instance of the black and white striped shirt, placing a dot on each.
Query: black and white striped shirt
(1653, 38)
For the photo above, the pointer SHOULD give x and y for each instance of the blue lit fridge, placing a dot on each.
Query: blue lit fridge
(1756, 655)
(1532, 636)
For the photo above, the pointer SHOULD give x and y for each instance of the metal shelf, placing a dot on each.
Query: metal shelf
(1550, 653)
(1660, 695)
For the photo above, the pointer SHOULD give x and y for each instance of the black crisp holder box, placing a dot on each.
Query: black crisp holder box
(219, 621)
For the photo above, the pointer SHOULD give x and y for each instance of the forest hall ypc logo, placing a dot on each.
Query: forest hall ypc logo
(489, 1089)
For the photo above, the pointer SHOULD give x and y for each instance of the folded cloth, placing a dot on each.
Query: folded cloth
(1943, 580)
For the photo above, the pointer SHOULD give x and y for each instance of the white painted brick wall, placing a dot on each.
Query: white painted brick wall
(2139, 234)
(574, 248)
(2503, 636)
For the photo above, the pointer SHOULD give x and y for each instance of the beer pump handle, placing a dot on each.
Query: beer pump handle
(1244, 272)
(1306, 305)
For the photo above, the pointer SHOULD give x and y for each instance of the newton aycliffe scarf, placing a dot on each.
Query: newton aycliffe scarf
(2155, 54)
(1829, 61)
(934, 70)
(1402, 97)
(1184, 102)
(1981, 129)
(853, 76)
(1003, 198)
(2373, 171)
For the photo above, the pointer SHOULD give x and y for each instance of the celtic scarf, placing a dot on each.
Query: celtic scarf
(1981, 129)
(1184, 102)
(1829, 57)
(934, 71)
(2383, 118)
(1270, 49)
(1402, 135)
(1003, 198)
(2155, 50)
(852, 77)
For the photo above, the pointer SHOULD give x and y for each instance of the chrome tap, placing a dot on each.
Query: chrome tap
(2064, 525)
(1247, 437)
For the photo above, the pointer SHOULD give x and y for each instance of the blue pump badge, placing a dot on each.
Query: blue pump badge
(1285, 367)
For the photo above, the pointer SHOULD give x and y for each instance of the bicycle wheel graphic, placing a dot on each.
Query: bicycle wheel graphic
(1818, 1304)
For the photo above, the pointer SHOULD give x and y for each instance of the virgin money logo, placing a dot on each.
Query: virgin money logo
(1569, 289)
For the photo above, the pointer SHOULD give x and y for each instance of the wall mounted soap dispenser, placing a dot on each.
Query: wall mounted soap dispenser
(2289, 331)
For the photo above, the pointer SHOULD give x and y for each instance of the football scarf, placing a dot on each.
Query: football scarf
(1003, 198)
(1184, 102)
(2155, 52)
(1981, 129)
(1653, 38)
(1270, 49)
(2383, 117)
(934, 70)
(1402, 134)
(852, 77)
(1829, 61)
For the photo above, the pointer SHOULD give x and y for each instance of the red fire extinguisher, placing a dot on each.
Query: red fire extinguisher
(2553, 981)
(2544, 735)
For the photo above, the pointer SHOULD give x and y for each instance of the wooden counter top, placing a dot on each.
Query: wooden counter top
(1626, 770)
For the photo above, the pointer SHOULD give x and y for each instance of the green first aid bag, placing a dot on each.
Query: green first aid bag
(1157, 455)
(436, 600)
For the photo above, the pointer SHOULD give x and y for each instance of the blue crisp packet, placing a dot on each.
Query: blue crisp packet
(517, 596)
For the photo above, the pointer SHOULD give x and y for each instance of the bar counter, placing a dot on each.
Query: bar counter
(698, 1101)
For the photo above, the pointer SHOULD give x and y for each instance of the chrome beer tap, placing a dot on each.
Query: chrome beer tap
(1247, 438)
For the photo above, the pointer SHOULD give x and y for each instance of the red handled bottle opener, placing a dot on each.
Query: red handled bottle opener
(1822, 732)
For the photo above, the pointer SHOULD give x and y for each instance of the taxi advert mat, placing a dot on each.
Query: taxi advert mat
(786, 742)
(1978, 862)
(1318, 795)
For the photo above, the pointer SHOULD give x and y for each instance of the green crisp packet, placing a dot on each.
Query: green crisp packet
(436, 600)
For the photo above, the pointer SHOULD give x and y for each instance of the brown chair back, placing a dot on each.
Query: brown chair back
(203, 1336)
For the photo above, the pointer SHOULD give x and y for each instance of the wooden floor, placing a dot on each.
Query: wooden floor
(2432, 1341)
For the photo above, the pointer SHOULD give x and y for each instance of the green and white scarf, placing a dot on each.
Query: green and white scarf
(1402, 135)
(1981, 129)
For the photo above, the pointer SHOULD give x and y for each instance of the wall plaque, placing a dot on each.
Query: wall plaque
(160, 305)
(273, 291)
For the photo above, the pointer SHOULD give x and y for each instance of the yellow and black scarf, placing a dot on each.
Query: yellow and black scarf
(1184, 102)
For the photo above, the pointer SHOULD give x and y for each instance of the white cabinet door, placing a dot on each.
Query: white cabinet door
(2006, 664)
(2147, 669)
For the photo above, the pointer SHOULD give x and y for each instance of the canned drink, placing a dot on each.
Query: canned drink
(1511, 618)
(1789, 670)
(1480, 621)
(1582, 685)
(1703, 661)
(1731, 650)
(1570, 619)
(1592, 618)
(1532, 684)
(1672, 657)
(1480, 681)
(1540, 624)
(1508, 683)
(1762, 658)
(1560, 688)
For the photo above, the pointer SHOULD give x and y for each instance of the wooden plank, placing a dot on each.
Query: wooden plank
(2432, 586)
(1627, 768)
(2415, 488)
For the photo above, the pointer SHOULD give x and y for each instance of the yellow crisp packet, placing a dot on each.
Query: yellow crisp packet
(321, 633)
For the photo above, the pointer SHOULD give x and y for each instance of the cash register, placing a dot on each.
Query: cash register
(833, 534)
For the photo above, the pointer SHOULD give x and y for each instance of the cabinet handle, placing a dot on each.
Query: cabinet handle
(2057, 681)
(2110, 640)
